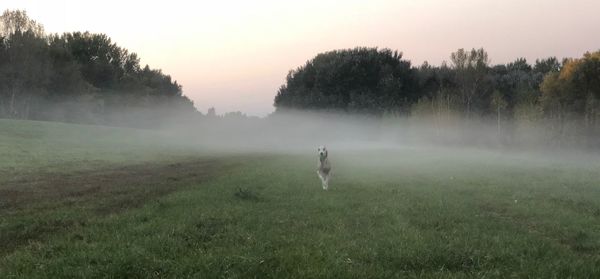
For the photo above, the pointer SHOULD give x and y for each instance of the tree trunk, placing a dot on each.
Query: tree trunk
(468, 108)
(448, 107)
(498, 118)
(11, 110)
(435, 117)
(27, 106)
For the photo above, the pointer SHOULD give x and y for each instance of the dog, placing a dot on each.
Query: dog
(324, 167)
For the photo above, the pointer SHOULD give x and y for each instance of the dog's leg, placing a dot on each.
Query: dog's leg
(323, 181)
(326, 182)
(320, 176)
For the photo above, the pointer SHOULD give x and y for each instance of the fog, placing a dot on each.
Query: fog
(302, 132)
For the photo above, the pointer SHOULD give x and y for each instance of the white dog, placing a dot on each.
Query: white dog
(323, 167)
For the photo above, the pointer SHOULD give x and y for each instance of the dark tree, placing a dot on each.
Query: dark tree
(368, 80)
(78, 77)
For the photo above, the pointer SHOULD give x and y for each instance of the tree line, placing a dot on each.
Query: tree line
(560, 98)
(86, 78)
(78, 77)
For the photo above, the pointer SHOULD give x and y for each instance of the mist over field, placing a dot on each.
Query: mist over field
(298, 131)
(466, 169)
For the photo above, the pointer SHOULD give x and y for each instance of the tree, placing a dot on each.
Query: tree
(556, 102)
(17, 21)
(80, 77)
(211, 112)
(577, 81)
(66, 79)
(471, 68)
(547, 65)
(367, 80)
(26, 72)
(24, 66)
(576, 90)
(100, 59)
(499, 103)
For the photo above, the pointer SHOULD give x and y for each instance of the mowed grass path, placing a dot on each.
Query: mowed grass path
(403, 213)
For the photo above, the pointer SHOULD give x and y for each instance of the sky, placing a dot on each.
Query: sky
(234, 55)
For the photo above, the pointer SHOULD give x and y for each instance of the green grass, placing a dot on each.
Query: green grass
(33, 146)
(158, 211)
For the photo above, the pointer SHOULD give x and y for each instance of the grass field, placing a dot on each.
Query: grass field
(83, 201)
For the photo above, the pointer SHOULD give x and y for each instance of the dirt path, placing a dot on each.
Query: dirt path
(89, 194)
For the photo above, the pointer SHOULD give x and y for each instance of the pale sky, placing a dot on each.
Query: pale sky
(234, 55)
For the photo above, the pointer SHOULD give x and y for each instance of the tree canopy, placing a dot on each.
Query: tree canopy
(562, 96)
(361, 79)
(78, 77)
(86, 77)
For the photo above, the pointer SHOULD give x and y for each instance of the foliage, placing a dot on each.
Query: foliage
(365, 80)
(379, 82)
(78, 77)
(571, 97)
